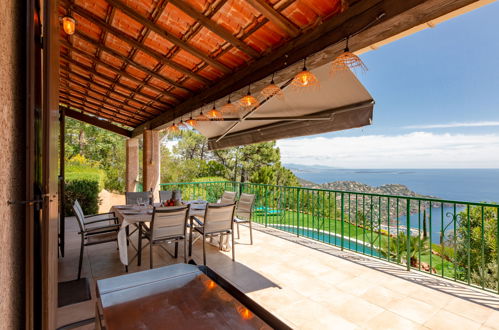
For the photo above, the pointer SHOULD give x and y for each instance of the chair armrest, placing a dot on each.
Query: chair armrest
(199, 222)
(101, 230)
(101, 220)
(99, 214)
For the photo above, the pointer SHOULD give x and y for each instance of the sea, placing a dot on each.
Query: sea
(469, 185)
(465, 185)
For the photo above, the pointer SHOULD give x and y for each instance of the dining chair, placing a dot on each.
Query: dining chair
(168, 225)
(166, 195)
(244, 211)
(134, 197)
(228, 197)
(110, 216)
(92, 233)
(218, 220)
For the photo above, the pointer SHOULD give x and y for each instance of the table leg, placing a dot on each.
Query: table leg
(139, 245)
(190, 236)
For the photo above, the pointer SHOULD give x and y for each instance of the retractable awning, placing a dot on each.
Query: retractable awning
(339, 102)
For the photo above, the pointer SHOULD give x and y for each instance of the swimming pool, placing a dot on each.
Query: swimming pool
(329, 238)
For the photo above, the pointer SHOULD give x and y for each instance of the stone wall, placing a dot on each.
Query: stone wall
(12, 169)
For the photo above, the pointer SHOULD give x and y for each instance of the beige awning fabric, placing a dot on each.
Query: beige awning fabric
(340, 102)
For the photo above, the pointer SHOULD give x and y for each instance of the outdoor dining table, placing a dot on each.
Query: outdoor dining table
(180, 296)
(142, 215)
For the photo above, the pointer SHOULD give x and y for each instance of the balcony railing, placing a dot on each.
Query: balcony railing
(451, 239)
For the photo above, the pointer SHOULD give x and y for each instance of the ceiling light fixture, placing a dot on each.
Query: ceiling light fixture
(214, 114)
(347, 61)
(69, 25)
(305, 78)
(272, 90)
(249, 101)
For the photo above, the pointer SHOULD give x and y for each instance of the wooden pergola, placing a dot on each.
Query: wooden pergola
(136, 65)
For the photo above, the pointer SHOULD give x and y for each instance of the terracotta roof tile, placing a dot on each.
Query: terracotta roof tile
(210, 60)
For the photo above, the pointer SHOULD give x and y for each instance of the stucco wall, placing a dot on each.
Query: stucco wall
(12, 179)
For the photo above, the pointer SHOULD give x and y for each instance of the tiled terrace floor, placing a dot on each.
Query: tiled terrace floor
(309, 285)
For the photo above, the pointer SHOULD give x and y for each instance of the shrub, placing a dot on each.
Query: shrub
(84, 184)
(86, 192)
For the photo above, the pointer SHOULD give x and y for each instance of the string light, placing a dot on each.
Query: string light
(272, 90)
(249, 101)
(173, 129)
(202, 117)
(69, 25)
(347, 61)
(229, 107)
(191, 122)
(305, 78)
(214, 114)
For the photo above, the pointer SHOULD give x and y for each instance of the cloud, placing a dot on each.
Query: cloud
(413, 150)
(455, 125)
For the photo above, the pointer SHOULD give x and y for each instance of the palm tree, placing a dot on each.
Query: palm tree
(401, 250)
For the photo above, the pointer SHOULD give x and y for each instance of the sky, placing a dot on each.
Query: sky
(437, 103)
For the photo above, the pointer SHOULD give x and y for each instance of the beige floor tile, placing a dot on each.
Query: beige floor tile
(412, 309)
(381, 296)
(468, 309)
(446, 320)
(493, 320)
(389, 320)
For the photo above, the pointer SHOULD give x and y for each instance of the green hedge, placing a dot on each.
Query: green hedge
(84, 184)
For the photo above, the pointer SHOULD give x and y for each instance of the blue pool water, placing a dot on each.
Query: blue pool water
(330, 239)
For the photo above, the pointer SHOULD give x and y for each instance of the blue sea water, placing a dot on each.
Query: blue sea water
(471, 185)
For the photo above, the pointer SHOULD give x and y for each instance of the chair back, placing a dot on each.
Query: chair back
(228, 197)
(169, 222)
(79, 215)
(219, 217)
(245, 206)
(133, 198)
(165, 195)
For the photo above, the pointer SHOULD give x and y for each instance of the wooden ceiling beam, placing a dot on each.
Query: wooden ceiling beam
(97, 122)
(109, 79)
(98, 103)
(173, 39)
(275, 17)
(63, 99)
(116, 70)
(385, 18)
(131, 41)
(150, 109)
(107, 98)
(214, 27)
(131, 62)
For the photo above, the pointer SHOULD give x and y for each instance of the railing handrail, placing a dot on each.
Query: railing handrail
(425, 199)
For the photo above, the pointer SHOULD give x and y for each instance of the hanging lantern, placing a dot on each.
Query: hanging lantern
(272, 90)
(202, 117)
(305, 78)
(249, 101)
(191, 122)
(229, 108)
(173, 129)
(182, 126)
(214, 114)
(69, 25)
(347, 61)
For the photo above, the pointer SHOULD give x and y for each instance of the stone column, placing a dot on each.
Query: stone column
(132, 164)
(150, 162)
